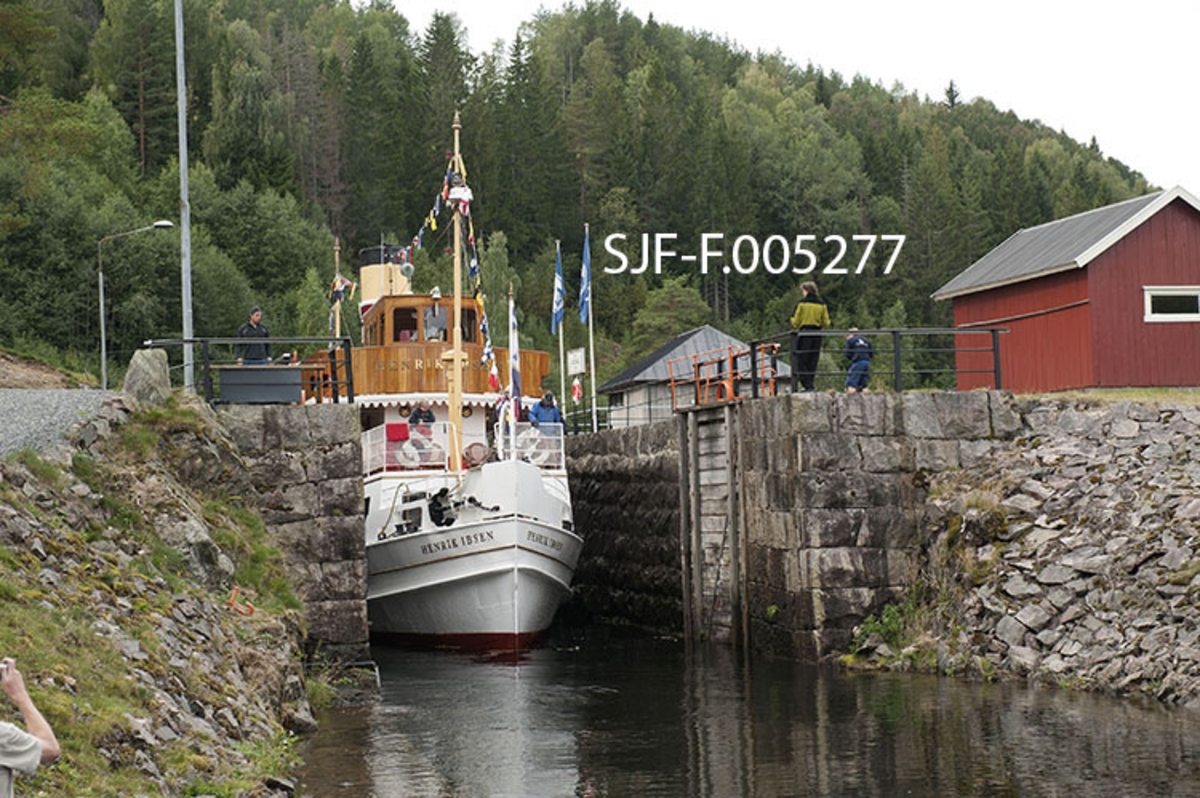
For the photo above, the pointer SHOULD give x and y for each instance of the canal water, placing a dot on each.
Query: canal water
(621, 715)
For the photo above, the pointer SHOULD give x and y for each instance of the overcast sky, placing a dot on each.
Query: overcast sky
(1124, 73)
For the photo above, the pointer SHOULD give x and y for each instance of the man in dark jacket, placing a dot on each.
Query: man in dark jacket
(858, 352)
(257, 353)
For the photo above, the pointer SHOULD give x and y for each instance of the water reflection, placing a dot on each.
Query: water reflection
(622, 716)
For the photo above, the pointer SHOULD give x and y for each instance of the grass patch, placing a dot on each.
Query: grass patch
(139, 441)
(321, 691)
(171, 418)
(1186, 574)
(85, 705)
(69, 363)
(265, 758)
(46, 473)
(140, 436)
(258, 564)
(1153, 397)
(984, 500)
(77, 675)
(84, 466)
(891, 626)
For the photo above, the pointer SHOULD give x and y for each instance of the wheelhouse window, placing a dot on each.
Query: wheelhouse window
(1172, 303)
(404, 324)
(470, 326)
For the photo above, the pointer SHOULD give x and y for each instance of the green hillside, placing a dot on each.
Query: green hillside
(314, 120)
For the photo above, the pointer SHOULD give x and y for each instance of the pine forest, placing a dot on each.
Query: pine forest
(310, 121)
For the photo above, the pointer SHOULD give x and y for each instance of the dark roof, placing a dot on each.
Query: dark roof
(653, 367)
(1069, 243)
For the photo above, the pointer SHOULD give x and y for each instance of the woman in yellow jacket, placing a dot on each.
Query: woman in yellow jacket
(811, 314)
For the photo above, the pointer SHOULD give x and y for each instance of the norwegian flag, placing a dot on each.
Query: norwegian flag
(494, 377)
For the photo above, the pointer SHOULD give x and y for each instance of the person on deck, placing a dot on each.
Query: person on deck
(22, 749)
(421, 421)
(422, 415)
(545, 411)
(435, 318)
(811, 314)
(257, 351)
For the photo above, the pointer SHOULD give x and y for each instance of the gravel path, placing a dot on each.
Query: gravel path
(34, 418)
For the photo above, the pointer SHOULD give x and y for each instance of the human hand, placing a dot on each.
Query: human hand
(11, 679)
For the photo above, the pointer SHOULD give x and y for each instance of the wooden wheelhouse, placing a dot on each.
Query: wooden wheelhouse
(406, 336)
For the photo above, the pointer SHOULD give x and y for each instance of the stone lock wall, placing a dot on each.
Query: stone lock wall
(306, 465)
(625, 502)
(834, 491)
(830, 491)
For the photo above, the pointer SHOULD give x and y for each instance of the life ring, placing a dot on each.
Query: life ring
(475, 455)
(409, 455)
(531, 447)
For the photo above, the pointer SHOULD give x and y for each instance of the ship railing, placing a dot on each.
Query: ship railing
(541, 444)
(401, 446)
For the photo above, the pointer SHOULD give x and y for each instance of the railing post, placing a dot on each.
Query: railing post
(996, 356)
(754, 370)
(349, 370)
(208, 386)
(774, 369)
(795, 361)
(333, 375)
(898, 373)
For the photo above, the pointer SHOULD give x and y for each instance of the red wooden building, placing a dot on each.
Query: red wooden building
(1106, 298)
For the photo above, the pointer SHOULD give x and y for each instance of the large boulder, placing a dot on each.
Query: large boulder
(148, 378)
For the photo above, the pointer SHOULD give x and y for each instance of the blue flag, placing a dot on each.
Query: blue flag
(585, 286)
(560, 291)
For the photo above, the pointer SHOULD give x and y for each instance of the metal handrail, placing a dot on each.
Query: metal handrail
(897, 351)
(336, 365)
(719, 368)
(717, 375)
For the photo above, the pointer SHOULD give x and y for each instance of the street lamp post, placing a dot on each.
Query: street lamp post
(161, 224)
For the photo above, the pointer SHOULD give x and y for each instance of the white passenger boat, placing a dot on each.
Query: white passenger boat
(469, 536)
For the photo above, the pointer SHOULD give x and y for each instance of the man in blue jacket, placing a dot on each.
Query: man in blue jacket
(545, 411)
(858, 352)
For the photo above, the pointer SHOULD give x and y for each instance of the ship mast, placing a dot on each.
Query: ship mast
(454, 368)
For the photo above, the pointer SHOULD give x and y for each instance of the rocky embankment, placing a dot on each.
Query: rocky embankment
(118, 573)
(1071, 557)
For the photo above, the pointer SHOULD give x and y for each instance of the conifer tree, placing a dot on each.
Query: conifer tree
(133, 61)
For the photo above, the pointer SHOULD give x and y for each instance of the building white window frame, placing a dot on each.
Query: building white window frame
(1151, 291)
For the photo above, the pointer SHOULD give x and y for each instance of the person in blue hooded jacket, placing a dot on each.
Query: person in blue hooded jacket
(859, 352)
(545, 411)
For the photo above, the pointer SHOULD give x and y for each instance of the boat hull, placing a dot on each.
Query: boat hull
(494, 582)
